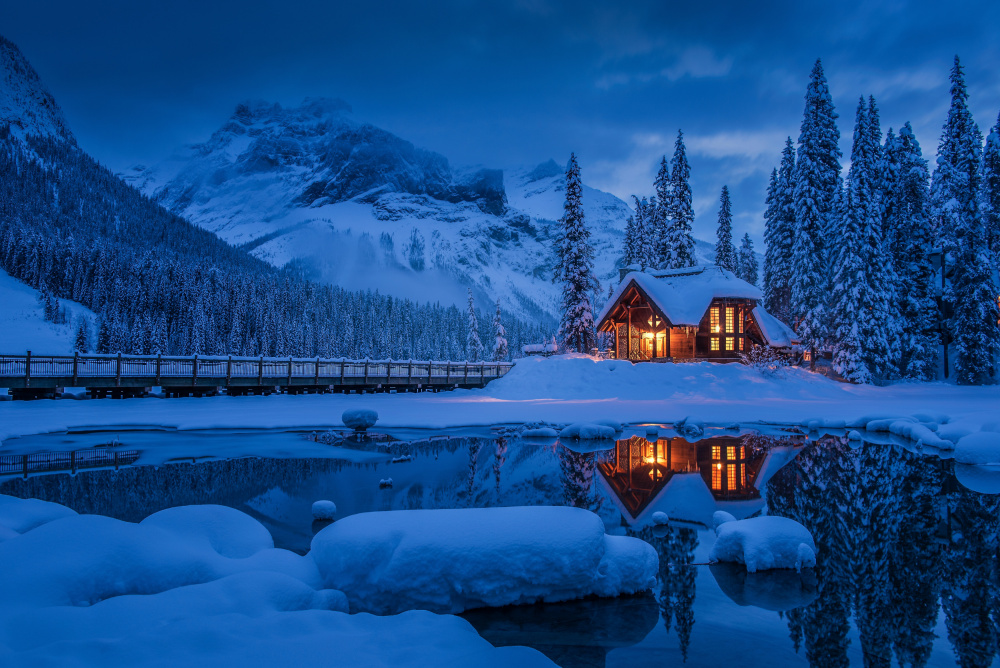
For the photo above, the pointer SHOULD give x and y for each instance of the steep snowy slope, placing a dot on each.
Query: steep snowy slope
(25, 103)
(23, 327)
(363, 208)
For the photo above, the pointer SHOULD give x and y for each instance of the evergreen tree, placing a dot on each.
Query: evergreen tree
(661, 217)
(473, 345)
(500, 348)
(725, 252)
(961, 232)
(859, 303)
(747, 261)
(779, 238)
(991, 191)
(81, 340)
(909, 228)
(632, 244)
(816, 184)
(576, 262)
(681, 247)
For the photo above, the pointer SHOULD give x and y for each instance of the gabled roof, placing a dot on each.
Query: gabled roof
(683, 295)
(777, 333)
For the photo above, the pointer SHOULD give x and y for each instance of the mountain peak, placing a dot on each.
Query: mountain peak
(25, 103)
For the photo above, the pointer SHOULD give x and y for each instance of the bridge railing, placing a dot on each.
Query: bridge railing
(81, 367)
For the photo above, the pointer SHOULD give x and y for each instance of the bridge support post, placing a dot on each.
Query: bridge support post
(118, 371)
(76, 362)
(27, 373)
(229, 371)
(260, 372)
(159, 361)
(194, 371)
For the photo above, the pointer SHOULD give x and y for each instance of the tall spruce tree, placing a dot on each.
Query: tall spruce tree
(991, 191)
(725, 252)
(661, 236)
(681, 209)
(631, 244)
(816, 184)
(747, 262)
(500, 347)
(645, 234)
(473, 344)
(955, 206)
(779, 236)
(909, 230)
(576, 267)
(858, 302)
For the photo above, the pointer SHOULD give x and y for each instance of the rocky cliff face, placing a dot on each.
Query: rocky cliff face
(363, 208)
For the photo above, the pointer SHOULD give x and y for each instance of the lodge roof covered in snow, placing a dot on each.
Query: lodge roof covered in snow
(683, 295)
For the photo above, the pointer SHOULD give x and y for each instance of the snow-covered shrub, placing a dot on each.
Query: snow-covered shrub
(764, 359)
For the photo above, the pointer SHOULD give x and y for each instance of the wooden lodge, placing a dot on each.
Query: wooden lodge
(697, 313)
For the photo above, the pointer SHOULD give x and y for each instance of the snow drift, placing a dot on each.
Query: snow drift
(454, 560)
(763, 543)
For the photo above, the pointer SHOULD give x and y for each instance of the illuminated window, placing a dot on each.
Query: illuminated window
(741, 339)
(730, 319)
(713, 343)
(741, 327)
(731, 452)
(730, 343)
(742, 452)
(716, 452)
(717, 476)
(713, 321)
(731, 477)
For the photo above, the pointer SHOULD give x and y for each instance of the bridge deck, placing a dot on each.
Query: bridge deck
(33, 374)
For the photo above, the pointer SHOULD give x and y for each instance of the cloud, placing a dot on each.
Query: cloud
(698, 62)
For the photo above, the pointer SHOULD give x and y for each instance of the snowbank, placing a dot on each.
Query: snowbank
(763, 543)
(201, 586)
(588, 431)
(980, 448)
(454, 560)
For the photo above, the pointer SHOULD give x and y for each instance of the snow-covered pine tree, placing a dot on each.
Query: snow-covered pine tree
(500, 348)
(681, 208)
(631, 244)
(955, 206)
(859, 304)
(991, 191)
(661, 236)
(816, 184)
(81, 340)
(747, 261)
(909, 226)
(725, 252)
(779, 237)
(576, 267)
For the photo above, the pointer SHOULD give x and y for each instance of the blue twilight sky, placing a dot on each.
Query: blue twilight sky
(510, 84)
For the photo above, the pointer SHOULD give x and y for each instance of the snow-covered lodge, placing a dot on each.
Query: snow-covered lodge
(686, 314)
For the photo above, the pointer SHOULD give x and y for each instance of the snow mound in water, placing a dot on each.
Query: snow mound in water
(359, 419)
(18, 516)
(324, 510)
(980, 448)
(230, 533)
(588, 431)
(454, 560)
(764, 543)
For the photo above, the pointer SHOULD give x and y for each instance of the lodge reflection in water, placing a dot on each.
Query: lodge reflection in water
(638, 470)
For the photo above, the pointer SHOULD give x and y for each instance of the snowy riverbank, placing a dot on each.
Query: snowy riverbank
(558, 389)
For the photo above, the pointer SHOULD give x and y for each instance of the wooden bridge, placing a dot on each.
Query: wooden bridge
(43, 376)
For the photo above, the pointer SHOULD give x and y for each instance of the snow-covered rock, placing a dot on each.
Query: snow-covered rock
(764, 543)
(359, 419)
(324, 510)
(979, 448)
(454, 560)
(540, 432)
(720, 517)
(230, 533)
(690, 427)
(660, 518)
(588, 431)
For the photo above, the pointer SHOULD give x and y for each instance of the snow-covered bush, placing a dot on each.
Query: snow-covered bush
(764, 359)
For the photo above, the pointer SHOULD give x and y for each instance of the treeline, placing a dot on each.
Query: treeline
(854, 265)
(72, 229)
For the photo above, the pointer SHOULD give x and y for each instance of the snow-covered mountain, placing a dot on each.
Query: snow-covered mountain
(365, 209)
(26, 105)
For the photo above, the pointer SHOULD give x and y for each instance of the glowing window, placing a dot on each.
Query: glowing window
(717, 476)
(730, 343)
(713, 321)
(716, 452)
(730, 319)
(713, 343)
(731, 476)
(741, 338)
(731, 452)
(741, 327)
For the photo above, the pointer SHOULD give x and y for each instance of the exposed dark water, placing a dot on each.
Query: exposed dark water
(906, 575)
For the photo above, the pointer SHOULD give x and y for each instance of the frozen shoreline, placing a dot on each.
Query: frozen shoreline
(558, 390)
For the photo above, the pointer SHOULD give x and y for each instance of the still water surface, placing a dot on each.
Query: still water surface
(907, 569)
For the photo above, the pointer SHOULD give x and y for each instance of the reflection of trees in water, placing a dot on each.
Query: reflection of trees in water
(499, 458)
(577, 472)
(676, 576)
(875, 513)
(475, 445)
(133, 493)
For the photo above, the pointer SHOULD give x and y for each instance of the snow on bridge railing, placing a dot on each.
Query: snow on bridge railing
(80, 367)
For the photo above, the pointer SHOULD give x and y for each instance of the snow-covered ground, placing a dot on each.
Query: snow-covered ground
(563, 389)
(22, 325)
